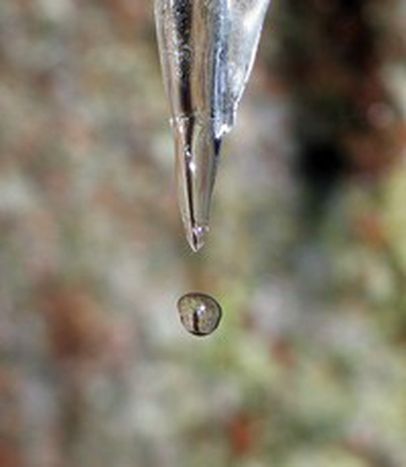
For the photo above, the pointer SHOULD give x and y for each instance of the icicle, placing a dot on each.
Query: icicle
(207, 50)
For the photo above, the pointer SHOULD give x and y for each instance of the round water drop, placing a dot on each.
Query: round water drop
(199, 313)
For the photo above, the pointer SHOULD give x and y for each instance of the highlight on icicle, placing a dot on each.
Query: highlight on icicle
(207, 49)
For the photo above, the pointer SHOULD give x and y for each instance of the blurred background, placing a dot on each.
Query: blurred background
(307, 251)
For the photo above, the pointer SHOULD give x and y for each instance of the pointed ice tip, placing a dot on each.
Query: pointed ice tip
(196, 237)
(196, 166)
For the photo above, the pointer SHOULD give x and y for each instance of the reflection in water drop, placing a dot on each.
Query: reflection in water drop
(199, 313)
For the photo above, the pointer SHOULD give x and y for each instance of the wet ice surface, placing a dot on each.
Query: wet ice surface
(207, 50)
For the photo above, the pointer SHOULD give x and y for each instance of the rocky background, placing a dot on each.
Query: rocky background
(307, 251)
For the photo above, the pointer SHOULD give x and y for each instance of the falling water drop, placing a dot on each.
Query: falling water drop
(199, 313)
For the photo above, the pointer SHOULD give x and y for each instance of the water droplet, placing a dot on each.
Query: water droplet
(199, 313)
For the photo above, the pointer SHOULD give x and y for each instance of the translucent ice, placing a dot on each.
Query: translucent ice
(207, 49)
